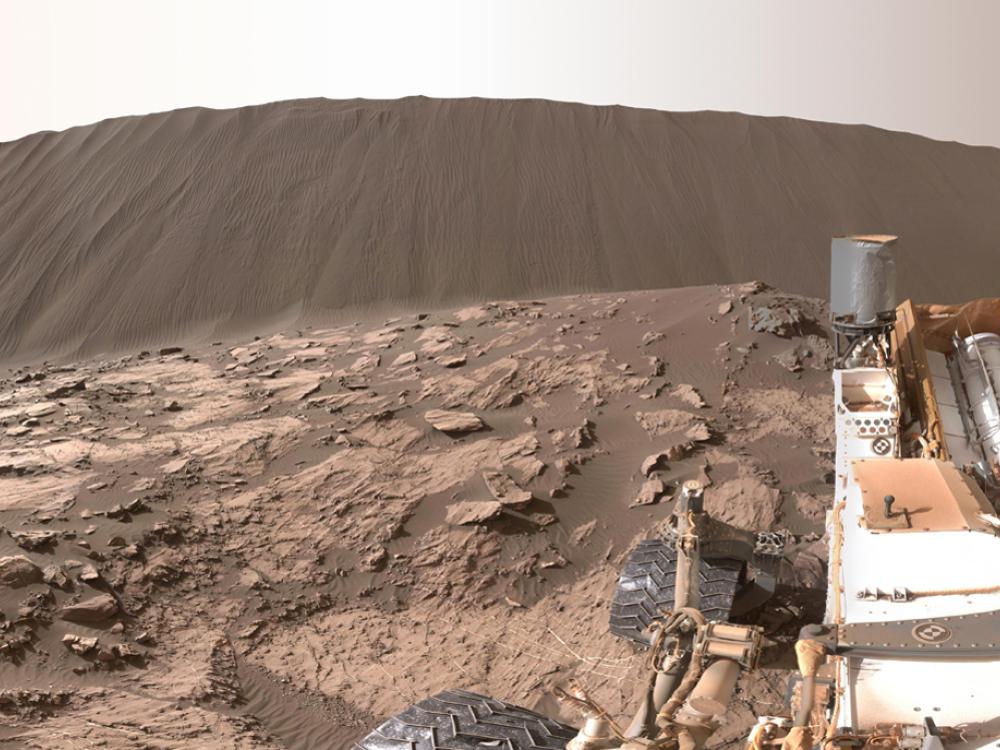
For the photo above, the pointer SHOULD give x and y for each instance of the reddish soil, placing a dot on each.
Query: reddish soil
(268, 543)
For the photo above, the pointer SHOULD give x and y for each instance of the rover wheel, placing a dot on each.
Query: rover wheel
(646, 589)
(459, 720)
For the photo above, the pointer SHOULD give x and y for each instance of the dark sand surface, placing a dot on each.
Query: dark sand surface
(276, 525)
(196, 223)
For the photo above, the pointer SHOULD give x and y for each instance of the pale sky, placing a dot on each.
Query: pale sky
(924, 66)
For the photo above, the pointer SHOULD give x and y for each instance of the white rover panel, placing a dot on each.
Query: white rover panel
(881, 560)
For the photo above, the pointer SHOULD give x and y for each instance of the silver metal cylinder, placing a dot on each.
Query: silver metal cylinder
(862, 277)
(978, 359)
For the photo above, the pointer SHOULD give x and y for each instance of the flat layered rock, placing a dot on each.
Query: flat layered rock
(525, 468)
(674, 421)
(406, 358)
(505, 489)
(453, 421)
(42, 409)
(366, 363)
(689, 395)
(472, 512)
(526, 444)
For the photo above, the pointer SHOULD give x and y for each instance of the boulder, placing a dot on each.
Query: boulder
(164, 566)
(458, 360)
(780, 319)
(790, 359)
(18, 570)
(67, 389)
(745, 502)
(95, 609)
(674, 453)
(810, 507)
(79, 644)
(650, 492)
(55, 576)
(583, 436)
(33, 539)
(88, 573)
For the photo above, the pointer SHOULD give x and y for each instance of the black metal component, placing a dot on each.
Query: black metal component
(457, 718)
(930, 727)
(887, 502)
(645, 589)
(848, 336)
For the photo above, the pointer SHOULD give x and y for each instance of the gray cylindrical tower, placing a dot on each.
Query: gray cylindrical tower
(863, 279)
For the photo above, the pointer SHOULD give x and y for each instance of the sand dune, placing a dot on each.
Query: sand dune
(190, 223)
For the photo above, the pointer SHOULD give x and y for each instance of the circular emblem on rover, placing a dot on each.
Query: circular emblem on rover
(932, 632)
(881, 446)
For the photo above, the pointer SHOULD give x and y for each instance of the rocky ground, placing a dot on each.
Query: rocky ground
(283, 541)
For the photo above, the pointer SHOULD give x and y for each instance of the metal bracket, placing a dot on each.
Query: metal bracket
(974, 636)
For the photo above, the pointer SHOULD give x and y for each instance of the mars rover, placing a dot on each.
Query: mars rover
(908, 656)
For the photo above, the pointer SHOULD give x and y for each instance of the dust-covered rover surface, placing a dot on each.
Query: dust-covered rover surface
(909, 653)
